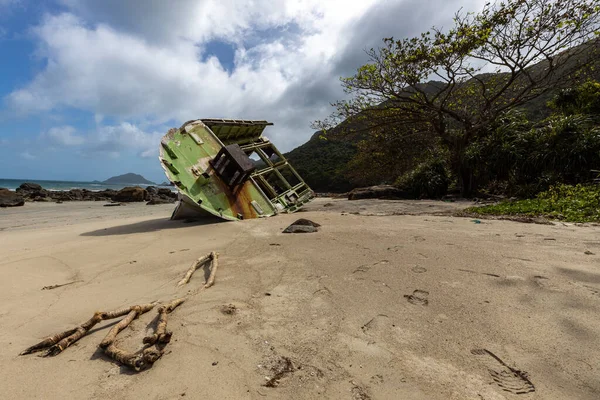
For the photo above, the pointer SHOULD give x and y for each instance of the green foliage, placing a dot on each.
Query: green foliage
(385, 154)
(584, 99)
(427, 180)
(513, 156)
(500, 153)
(579, 203)
(542, 45)
(521, 159)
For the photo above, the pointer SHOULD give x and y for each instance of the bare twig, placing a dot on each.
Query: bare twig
(56, 344)
(213, 270)
(49, 341)
(60, 285)
(147, 356)
(161, 335)
(197, 264)
(134, 312)
(138, 360)
(155, 343)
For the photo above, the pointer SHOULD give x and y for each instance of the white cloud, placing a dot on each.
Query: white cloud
(117, 138)
(110, 140)
(142, 60)
(62, 136)
(198, 21)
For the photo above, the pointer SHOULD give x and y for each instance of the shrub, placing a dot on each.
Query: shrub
(579, 203)
(427, 180)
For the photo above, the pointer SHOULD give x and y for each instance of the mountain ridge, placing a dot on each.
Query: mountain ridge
(128, 178)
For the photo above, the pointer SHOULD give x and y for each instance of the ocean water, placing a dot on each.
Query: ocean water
(12, 184)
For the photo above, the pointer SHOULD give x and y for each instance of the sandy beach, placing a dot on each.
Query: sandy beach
(388, 300)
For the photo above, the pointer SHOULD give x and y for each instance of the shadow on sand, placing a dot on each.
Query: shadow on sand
(152, 226)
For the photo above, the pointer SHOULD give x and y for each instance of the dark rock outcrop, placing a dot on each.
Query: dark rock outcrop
(159, 200)
(160, 195)
(10, 199)
(32, 192)
(81, 195)
(152, 194)
(29, 187)
(377, 192)
(131, 194)
(302, 226)
(167, 193)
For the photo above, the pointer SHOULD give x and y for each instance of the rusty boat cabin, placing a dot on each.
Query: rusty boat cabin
(226, 168)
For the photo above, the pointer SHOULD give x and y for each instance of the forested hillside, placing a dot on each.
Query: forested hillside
(504, 132)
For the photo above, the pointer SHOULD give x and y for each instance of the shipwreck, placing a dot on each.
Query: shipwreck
(226, 168)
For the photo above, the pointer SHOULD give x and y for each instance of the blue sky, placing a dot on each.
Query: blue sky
(87, 87)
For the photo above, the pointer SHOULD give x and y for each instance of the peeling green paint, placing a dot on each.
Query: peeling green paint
(208, 161)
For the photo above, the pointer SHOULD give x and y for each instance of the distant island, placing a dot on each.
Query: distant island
(129, 178)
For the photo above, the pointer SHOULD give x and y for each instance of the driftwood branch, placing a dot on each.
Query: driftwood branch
(56, 344)
(199, 263)
(49, 341)
(134, 312)
(147, 356)
(213, 270)
(154, 344)
(137, 360)
(161, 335)
(60, 285)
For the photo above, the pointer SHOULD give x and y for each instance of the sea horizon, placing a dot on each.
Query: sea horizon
(58, 185)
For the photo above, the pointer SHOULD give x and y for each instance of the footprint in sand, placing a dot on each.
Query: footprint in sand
(395, 248)
(545, 283)
(419, 297)
(378, 322)
(509, 379)
(362, 268)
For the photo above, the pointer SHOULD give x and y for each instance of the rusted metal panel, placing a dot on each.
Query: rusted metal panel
(208, 161)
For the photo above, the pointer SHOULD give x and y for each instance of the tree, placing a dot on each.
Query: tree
(518, 157)
(386, 153)
(584, 99)
(434, 84)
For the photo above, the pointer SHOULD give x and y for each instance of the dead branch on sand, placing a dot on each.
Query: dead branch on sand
(56, 344)
(283, 367)
(161, 335)
(137, 360)
(154, 344)
(134, 312)
(213, 270)
(60, 285)
(199, 263)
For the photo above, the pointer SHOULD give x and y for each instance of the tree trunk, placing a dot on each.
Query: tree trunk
(466, 181)
(460, 168)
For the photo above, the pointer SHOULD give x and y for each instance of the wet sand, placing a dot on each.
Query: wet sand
(373, 306)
